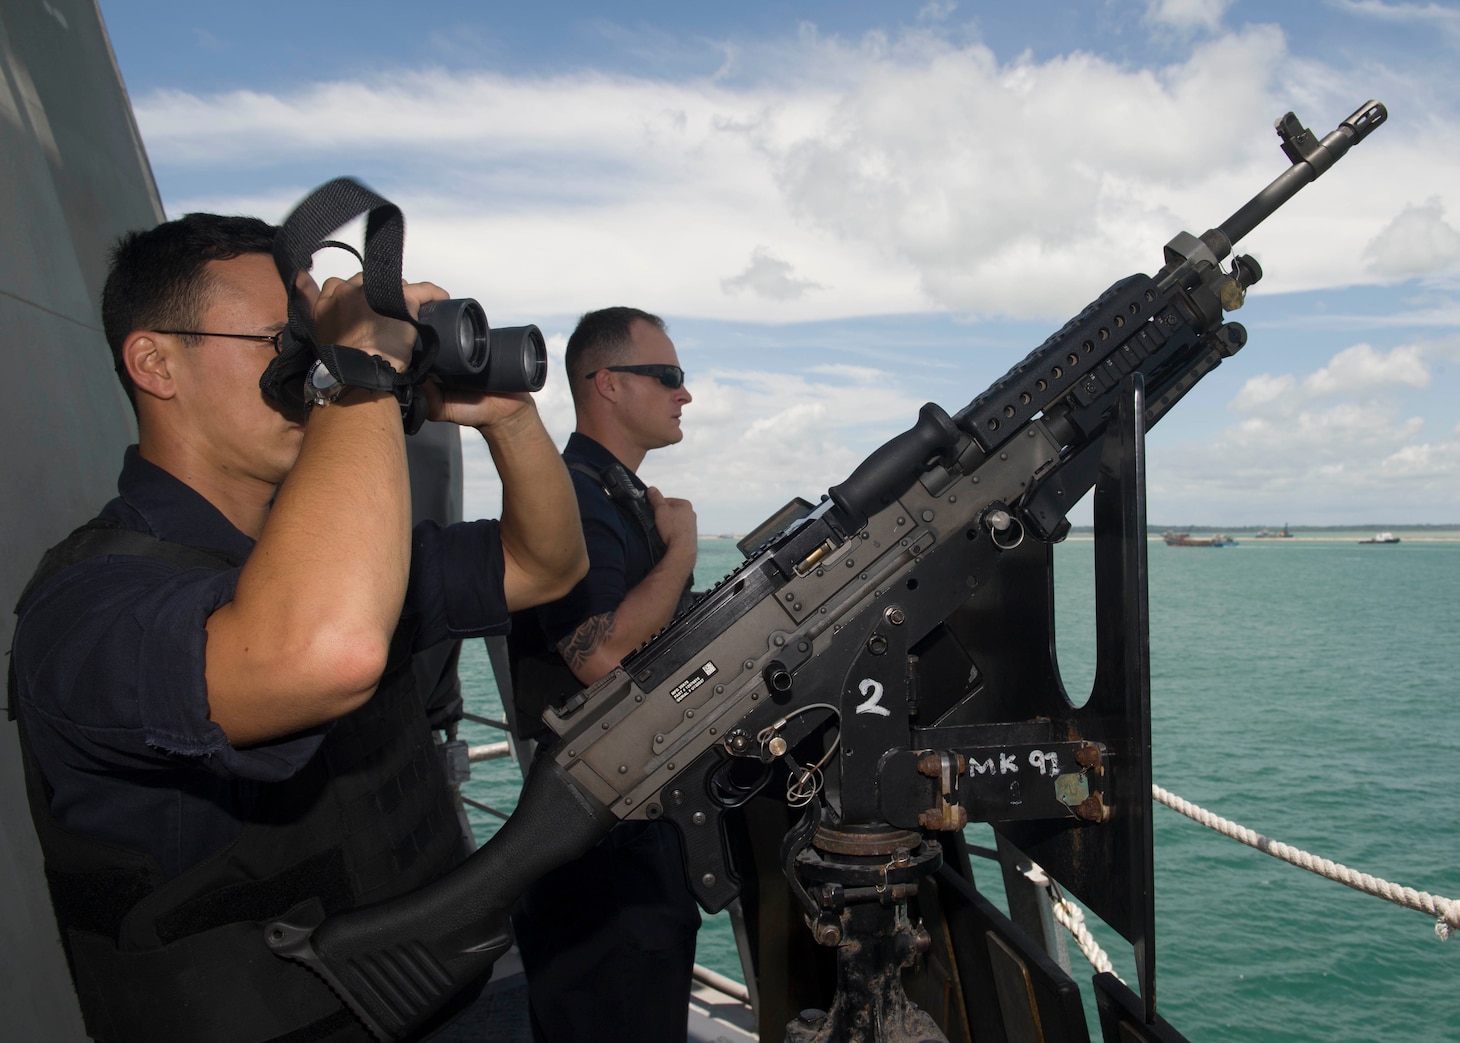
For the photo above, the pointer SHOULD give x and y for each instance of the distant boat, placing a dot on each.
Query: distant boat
(1268, 534)
(1383, 537)
(1185, 539)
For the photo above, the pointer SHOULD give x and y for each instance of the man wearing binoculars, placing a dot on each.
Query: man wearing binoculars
(213, 680)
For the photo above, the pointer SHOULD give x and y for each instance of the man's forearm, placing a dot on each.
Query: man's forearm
(600, 643)
(542, 538)
(304, 639)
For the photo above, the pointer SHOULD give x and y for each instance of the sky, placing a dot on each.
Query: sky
(845, 210)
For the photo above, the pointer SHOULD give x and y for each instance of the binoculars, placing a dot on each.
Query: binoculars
(471, 356)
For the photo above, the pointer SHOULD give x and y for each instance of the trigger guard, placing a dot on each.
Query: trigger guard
(729, 794)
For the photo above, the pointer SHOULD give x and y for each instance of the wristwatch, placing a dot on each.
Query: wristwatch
(320, 385)
(340, 367)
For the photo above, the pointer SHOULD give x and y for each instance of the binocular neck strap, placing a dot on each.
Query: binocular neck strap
(307, 228)
(303, 232)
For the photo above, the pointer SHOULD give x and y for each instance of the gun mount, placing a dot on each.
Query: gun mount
(886, 655)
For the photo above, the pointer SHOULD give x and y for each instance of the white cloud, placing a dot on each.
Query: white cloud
(1360, 371)
(857, 374)
(1187, 15)
(754, 439)
(1419, 241)
(906, 172)
(1442, 17)
(895, 173)
(1343, 463)
(769, 277)
(1263, 390)
(936, 11)
(1342, 444)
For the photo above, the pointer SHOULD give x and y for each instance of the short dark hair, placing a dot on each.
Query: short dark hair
(602, 338)
(158, 278)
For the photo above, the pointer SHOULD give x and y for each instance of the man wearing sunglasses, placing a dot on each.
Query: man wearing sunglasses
(213, 680)
(595, 931)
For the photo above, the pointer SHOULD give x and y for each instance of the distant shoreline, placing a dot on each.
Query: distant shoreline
(1253, 530)
(1331, 534)
(1453, 537)
(1435, 534)
(1304, 532)
(1088, 537)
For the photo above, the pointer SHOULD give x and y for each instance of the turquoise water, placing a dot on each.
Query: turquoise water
(1304, 688)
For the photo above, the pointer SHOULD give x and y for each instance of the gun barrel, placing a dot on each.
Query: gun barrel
(1310, 159)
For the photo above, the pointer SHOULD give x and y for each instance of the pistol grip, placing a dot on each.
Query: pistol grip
(700, 819)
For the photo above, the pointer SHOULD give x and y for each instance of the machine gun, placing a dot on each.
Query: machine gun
(901, 631)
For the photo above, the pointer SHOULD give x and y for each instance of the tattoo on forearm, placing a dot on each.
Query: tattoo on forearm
(578, 647)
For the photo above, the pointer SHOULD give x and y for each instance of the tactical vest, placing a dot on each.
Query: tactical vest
(540, 678)
(370, 817)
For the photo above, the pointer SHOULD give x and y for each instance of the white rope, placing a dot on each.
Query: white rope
(1445, 912)
(1073, 919)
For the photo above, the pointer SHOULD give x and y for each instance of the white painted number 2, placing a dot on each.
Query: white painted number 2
(873, 691)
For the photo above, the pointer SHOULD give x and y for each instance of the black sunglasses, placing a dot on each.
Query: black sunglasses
(670, 376)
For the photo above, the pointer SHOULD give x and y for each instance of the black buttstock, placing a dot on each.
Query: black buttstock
(397, 964)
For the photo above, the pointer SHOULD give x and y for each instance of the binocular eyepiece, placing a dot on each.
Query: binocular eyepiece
(471, 356)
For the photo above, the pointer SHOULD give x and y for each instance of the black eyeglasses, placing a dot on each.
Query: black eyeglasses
(274, 338)
(670, 376)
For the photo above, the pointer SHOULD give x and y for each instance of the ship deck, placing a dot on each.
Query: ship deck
(500, 1014)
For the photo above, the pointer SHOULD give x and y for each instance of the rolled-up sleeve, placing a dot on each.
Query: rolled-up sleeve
(602, 590)
(456, 579)
(124, 662)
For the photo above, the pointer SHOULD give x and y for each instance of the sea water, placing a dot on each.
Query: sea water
(1305, 688)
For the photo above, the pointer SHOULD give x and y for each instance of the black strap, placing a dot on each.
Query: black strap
(119, 990)
(304, 231)
(355, 369)
(146, 994)
(616, 481)
(102, 536)
(320, 213)
(628, 498)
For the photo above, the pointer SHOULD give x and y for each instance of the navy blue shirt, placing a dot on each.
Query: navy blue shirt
(618, 552)
(109, 659)
(622, 914)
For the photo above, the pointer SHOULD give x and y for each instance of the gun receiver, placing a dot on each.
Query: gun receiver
(814, 642)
